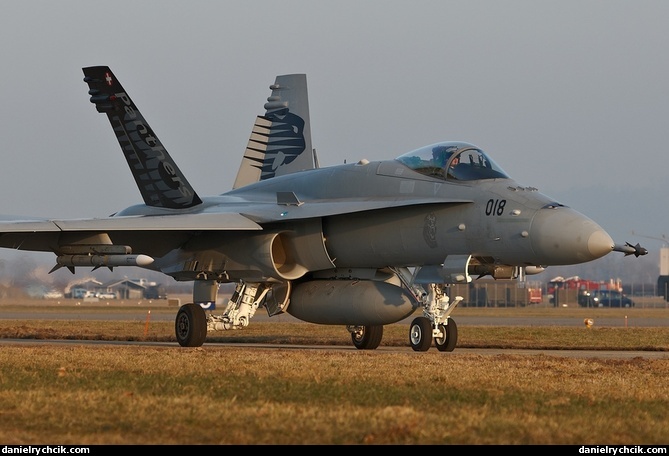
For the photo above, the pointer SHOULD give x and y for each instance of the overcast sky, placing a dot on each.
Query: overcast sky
(568, 96)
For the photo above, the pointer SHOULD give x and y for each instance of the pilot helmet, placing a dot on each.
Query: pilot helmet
(441, 154)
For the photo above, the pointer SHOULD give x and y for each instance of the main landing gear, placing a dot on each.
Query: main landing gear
(190, 325)
(435, 324)
(366, 337)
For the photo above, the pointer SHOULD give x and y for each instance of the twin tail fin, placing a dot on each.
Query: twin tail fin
(160, 181)
(280, 141)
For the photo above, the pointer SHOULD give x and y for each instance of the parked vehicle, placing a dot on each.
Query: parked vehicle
(105, 295)
(606, 298)
(79, 293)
(53, 294)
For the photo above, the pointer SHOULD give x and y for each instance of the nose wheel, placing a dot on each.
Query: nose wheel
(448, 338)
(421, 335)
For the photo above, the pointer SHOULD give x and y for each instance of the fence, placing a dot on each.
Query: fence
(511, 294)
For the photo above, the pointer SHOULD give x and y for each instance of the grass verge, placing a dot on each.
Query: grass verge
(80, 394)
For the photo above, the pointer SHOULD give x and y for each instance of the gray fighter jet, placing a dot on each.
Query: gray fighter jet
(360, 245)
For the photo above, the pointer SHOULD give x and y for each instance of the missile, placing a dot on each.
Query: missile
(94, 249)
(629, 249)
(103, 260)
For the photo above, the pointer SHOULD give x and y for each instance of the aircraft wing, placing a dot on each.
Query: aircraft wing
(179, 222)
(246, 219)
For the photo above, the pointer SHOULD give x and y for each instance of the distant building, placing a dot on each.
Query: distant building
(81, 288)
(89, 288)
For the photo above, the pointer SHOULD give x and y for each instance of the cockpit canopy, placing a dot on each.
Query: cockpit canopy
(453, 160)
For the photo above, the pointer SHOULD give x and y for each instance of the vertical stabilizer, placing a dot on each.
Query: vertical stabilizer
(280, 141)
(160, 181)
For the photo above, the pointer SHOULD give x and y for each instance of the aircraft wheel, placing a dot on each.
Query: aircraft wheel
(450, 338)
(190, 325)
(369, 338)
(420, 334)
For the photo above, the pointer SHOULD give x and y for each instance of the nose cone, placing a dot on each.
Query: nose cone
(561, 236)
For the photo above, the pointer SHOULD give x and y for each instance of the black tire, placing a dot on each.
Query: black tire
(369, 338)
(450, 339)
(420, 334)
(190, 325)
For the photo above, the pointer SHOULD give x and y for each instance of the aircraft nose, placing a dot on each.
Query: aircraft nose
(561, 235)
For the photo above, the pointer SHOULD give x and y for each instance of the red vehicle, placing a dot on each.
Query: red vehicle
(535, 295)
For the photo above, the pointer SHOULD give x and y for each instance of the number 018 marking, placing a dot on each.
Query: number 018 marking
(495, 207)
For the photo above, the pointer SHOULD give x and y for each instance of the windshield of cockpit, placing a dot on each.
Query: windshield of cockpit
(449, 160)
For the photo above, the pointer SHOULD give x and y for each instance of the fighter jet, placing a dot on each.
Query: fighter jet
(361, 245)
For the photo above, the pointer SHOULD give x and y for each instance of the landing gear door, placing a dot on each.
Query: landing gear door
(277, 300)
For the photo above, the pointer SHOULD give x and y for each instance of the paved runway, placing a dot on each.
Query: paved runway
(462, 318)
(599, 354)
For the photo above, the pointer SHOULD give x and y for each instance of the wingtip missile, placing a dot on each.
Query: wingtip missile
(629, 249)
